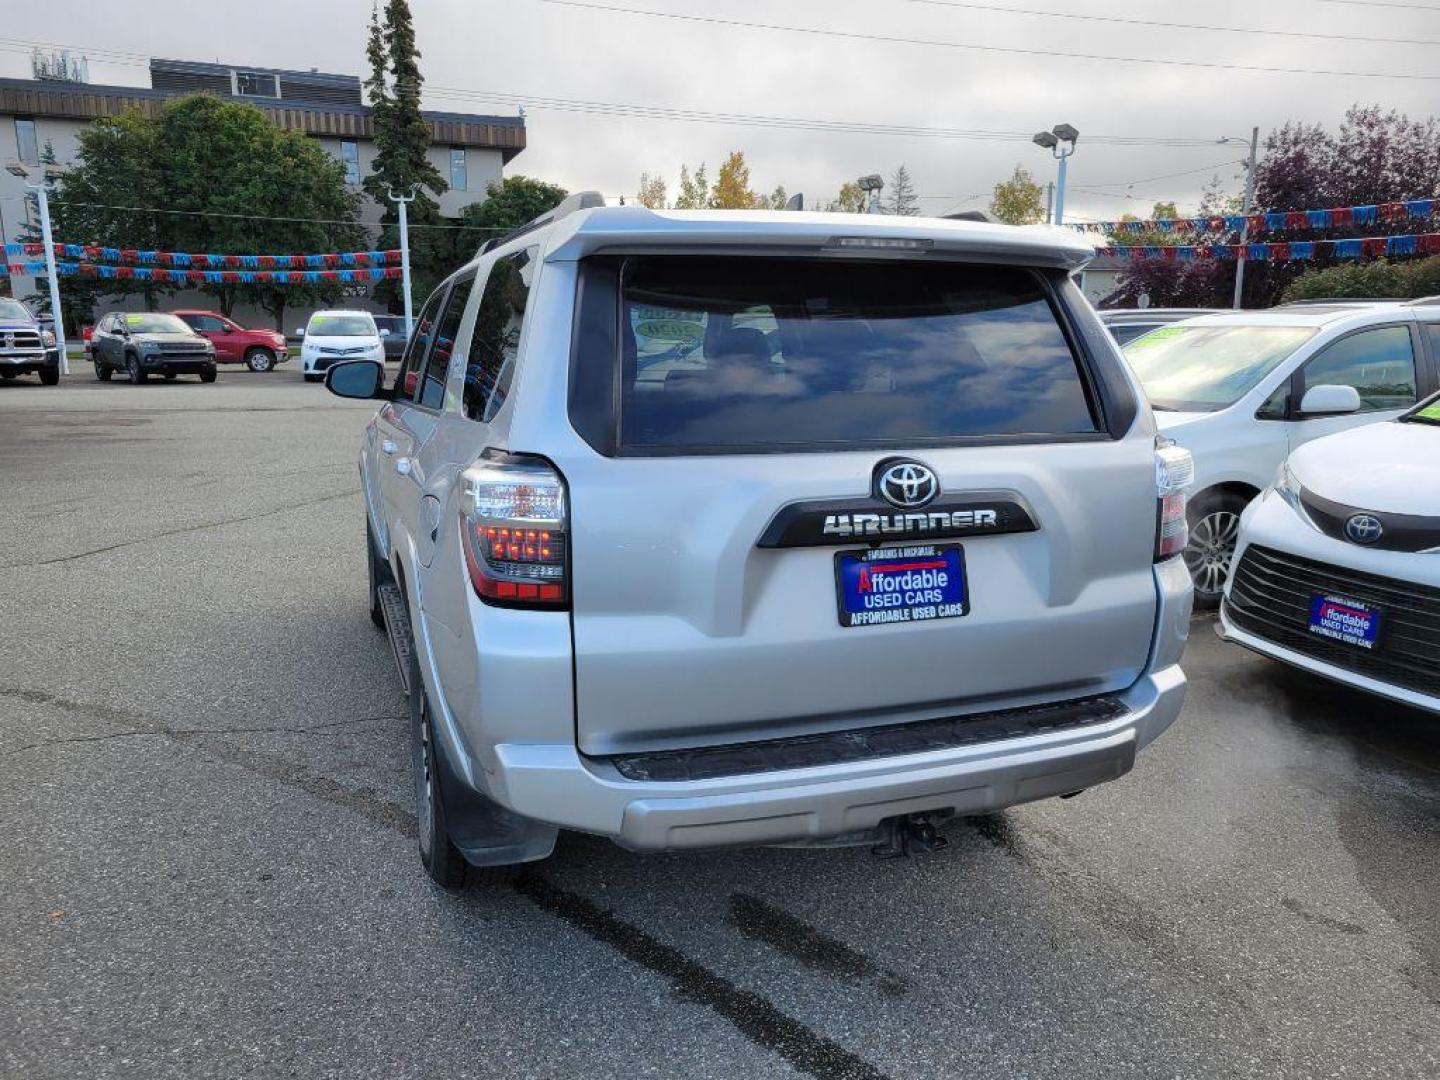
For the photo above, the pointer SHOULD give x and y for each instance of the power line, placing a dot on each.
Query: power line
(675, 113)
(662, 112)
(713, 20)
(1381, 3)
(1167, 176)
(1176, 25)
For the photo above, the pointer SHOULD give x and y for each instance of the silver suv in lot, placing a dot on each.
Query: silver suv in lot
(695, 529)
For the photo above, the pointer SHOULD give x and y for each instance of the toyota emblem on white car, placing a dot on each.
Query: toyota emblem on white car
(906, 484)
(1364, 528)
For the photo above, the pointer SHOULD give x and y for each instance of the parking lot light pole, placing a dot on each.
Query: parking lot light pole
(15, 168)
(402, 201)
(871, 186)
(1060, 141)
(1245, 206)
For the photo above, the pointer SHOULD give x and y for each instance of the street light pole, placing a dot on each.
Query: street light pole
(1245, 211)
(402, 201)
(48, 239)
(1060, 141)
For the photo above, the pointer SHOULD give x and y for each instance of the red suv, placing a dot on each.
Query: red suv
(259, 350)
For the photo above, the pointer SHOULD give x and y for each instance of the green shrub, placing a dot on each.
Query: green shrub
(1381, 278)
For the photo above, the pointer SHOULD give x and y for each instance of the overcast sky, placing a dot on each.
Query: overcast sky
(544, 50)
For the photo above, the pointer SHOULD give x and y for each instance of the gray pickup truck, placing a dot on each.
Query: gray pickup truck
(26, 347)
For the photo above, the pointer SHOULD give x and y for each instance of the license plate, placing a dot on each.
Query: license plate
(901, 584)
(1342, 619)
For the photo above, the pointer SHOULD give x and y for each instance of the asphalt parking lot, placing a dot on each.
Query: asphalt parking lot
(207, 861)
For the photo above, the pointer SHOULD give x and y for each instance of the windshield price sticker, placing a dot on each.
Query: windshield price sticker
(1344, 620)
(901, 585)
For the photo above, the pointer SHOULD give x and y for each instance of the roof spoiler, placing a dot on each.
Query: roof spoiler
(581, 200)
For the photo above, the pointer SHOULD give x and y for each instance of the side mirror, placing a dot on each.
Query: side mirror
(384, 332)
(1328, 399)
(362, 379)
(300, 332)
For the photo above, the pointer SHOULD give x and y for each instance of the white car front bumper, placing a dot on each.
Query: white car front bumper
(1403, 665)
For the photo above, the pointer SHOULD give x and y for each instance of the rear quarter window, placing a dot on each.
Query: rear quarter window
(737, 353)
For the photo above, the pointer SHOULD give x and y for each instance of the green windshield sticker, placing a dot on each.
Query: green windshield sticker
(134, 320)
(1156, 337)
(1429, 412)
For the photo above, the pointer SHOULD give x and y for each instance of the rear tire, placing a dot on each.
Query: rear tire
(260, 360)
(1214, 528)
(440, 857)
(50, 376)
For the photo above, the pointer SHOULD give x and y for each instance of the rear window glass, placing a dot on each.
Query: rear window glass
(757, 352)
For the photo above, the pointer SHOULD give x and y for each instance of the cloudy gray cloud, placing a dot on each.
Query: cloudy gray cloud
(539, 50)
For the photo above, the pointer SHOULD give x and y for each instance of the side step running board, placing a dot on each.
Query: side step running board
(397, 628)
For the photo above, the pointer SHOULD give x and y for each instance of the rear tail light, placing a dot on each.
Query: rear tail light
(514, 525)
(1174, 472)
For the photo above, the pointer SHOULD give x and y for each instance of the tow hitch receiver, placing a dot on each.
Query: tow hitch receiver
(908, 834)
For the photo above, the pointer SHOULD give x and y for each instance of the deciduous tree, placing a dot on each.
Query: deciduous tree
(511, 203)
(732, 185)
(221, 178)
(850, 200)
(652, 192)
(694, 189)
(1019, 200)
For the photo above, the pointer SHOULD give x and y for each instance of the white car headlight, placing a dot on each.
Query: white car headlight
(47, 339)
(1286, 486)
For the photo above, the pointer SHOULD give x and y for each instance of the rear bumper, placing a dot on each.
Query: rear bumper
(534, 769)
(555, 785)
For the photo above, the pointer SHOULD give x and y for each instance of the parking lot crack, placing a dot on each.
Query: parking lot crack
(185, 531)
(139, 725)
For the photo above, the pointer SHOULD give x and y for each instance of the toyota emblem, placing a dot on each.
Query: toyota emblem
(1364, 528)
(906, 484)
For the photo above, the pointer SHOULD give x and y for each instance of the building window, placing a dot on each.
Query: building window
(350, 154)
(27, 141)
(256, 84)
(458, 179)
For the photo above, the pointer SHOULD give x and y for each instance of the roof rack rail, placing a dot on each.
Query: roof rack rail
(1424, 301)
(581, 200)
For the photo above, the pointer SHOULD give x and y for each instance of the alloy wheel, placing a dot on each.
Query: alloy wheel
(1211, 547)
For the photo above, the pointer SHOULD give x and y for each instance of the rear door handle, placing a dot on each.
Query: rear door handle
(388, 446)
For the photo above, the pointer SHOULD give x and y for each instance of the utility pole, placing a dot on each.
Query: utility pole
(1245, 210)
(403, 201)
(48, 239)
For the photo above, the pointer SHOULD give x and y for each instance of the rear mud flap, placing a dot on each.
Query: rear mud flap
(486, 833)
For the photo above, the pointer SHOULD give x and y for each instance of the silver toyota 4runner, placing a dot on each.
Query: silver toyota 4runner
(711, 528)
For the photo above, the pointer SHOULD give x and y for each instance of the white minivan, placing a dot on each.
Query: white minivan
(332, 336)
(1240, 391)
